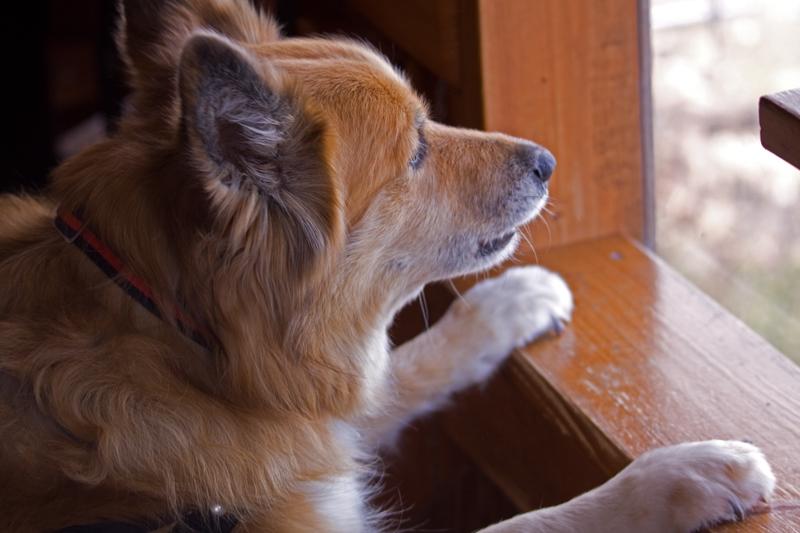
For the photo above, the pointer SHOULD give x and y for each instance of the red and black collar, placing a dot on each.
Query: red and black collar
(74, 230)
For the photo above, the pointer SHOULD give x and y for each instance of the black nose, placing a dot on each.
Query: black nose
(545, 165)
(536, 161)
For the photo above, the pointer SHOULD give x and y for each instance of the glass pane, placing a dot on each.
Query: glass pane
(726, 209)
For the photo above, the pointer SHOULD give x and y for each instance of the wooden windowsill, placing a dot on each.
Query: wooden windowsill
(647, 361)
(779, 116)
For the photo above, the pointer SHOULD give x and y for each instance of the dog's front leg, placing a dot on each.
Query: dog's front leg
(469, 342)
(679, 488)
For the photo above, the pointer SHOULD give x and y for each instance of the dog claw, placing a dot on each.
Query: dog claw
(557, 327)
(736, 507)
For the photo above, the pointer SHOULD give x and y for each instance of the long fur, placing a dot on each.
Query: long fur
(266, 185)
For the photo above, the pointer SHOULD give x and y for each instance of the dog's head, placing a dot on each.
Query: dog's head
(298, 182)
(310, 149)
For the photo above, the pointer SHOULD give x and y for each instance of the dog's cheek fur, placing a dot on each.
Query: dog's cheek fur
(259, 151)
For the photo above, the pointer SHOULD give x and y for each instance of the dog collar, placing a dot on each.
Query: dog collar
(74, 231)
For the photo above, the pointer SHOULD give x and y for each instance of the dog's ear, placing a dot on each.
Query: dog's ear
(151, 33)
(259, 152)
(140, 28)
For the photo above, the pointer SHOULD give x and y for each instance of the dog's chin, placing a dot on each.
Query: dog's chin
(496, 249)
(475, 254)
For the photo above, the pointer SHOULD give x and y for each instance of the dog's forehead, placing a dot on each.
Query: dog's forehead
(328, 49)
(373, 114)
(347, 74)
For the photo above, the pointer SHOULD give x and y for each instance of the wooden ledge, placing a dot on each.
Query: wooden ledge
(648, 360)
(779, 116)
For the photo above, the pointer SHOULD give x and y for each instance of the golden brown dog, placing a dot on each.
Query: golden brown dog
(204, 325)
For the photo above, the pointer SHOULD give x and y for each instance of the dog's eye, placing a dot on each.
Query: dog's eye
(421, 152)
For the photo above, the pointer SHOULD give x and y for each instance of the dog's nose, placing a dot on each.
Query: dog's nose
(537, 161)
(545, 165)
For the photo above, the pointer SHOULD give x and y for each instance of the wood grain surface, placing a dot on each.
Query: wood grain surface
(648, 361)
(427, 30)
(565, 73)
(779, 116)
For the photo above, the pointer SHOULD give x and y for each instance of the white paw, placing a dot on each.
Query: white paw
(506, 312)
(696, 484)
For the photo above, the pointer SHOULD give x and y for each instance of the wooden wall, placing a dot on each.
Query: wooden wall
(565, 73)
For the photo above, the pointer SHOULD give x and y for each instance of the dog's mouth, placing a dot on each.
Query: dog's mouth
(492, 246)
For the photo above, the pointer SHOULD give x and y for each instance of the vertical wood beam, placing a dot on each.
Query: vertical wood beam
(566, 73)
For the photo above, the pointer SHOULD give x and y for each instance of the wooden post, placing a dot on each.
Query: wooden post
(566, 73)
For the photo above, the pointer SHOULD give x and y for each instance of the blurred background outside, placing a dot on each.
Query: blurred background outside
(727, 210)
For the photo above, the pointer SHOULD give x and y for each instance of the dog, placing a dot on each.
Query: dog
(194, 318)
